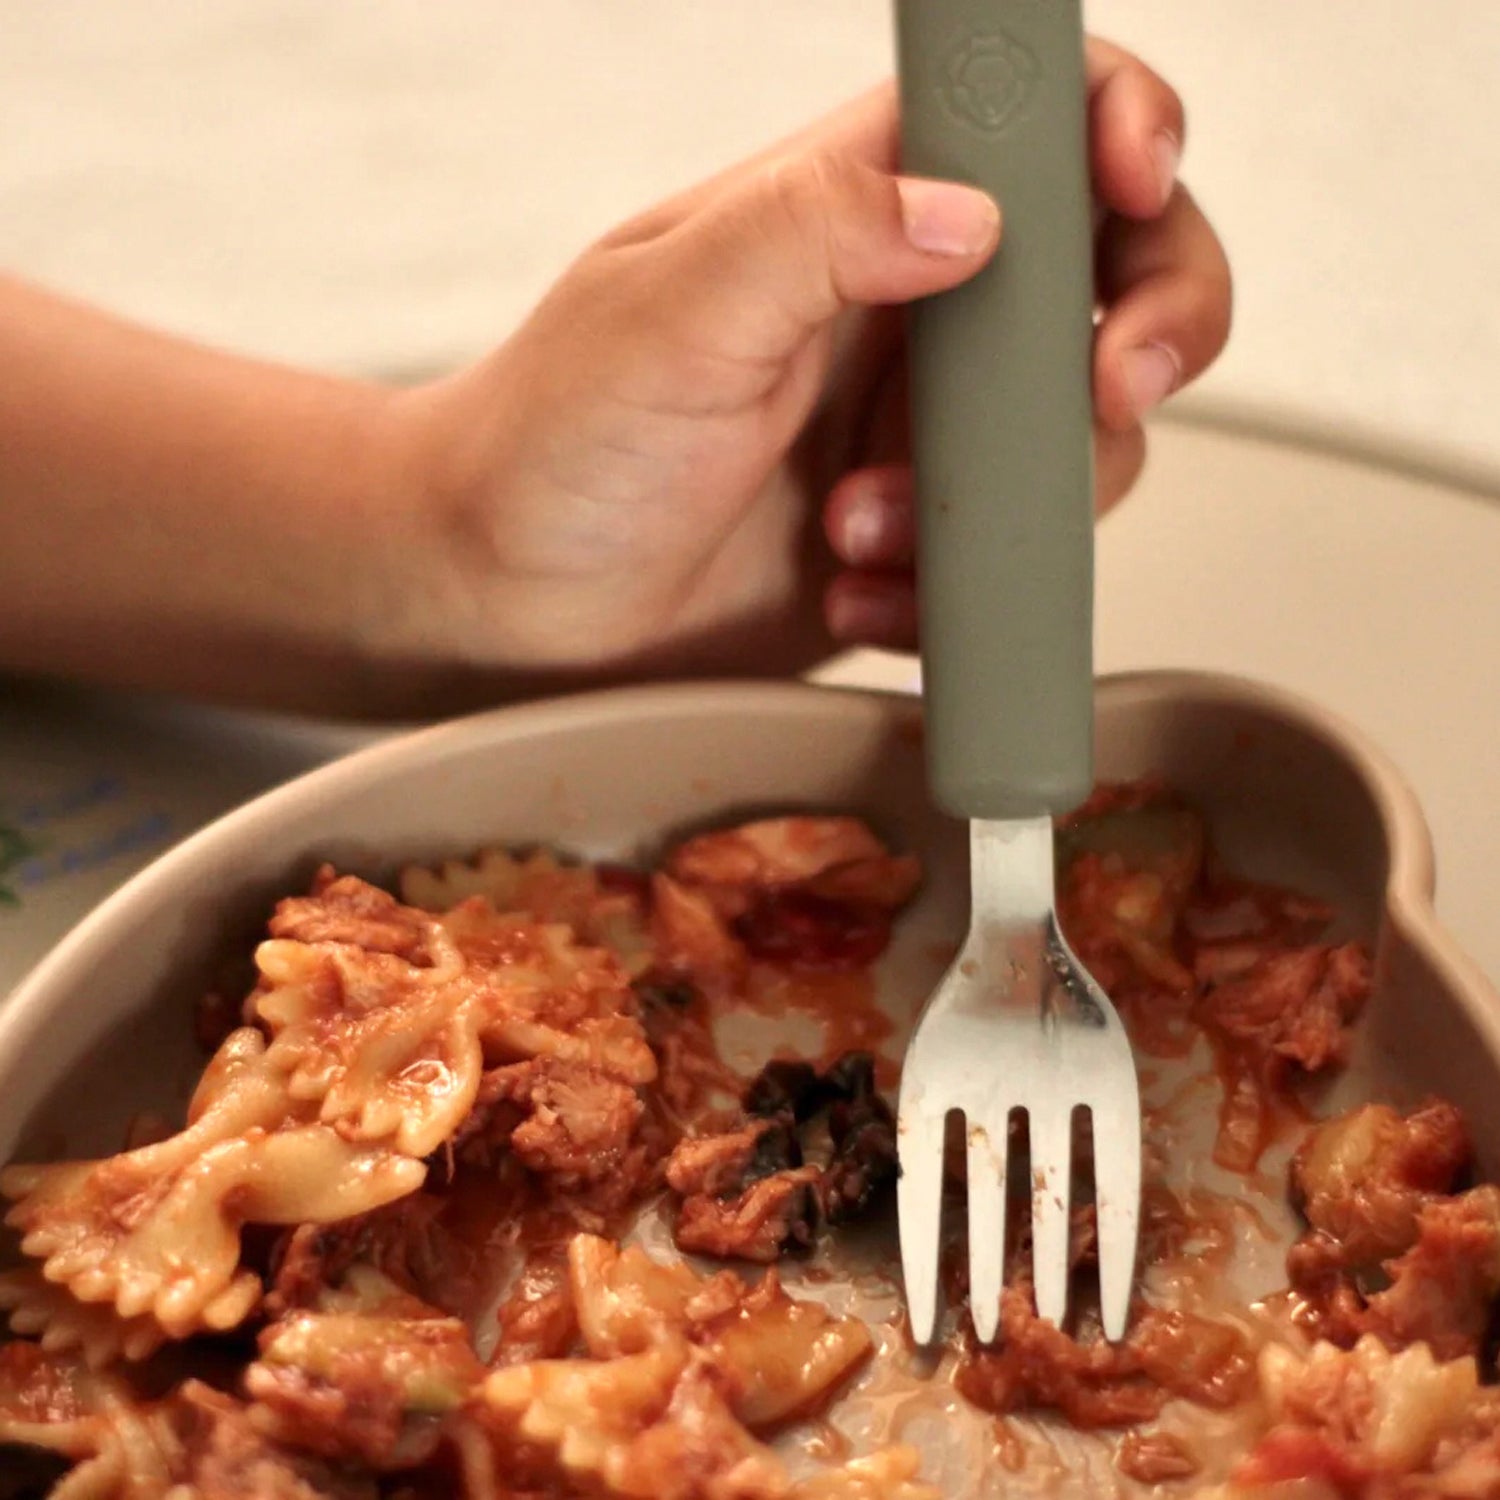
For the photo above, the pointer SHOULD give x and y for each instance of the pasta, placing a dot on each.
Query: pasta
(1367, 1421)
(62, 1324)
(389, 1251)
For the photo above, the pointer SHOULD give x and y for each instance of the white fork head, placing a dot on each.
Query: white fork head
(1017, 1024)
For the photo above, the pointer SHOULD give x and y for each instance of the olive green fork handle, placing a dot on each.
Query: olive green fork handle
(993, 93)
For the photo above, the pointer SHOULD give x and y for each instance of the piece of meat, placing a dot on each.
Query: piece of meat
(1122, 924)
(1443, 1290)
(802, 930)
(345, 909)
(721, 1166)
(859, 1173)
(1369, 1424)
(745, 1194)
(1363, 1177)
(1288, 1015)
(1130, 857)
(1390, 1250)
(405, 1242)
(772, 853)
(691, 938)
(775, 1216)
(1154, 1457)
(575, 1123)
(1297, 1004)
(538, 1319)
(809, 893)
(1098, 1384)
(225, 1457)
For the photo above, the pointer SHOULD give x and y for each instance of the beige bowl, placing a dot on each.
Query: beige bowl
(100, 1028)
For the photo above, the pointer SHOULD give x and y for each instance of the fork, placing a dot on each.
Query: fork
(993, 93)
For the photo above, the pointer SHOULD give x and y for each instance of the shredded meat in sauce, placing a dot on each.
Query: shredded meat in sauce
(484, 1335)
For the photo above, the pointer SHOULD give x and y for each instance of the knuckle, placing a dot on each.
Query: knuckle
(800, 192)
(813, 195)
(1166, 101)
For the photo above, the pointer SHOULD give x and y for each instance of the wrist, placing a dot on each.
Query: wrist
(435, 588)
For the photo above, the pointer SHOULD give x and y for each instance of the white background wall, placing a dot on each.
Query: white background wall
(389, 184)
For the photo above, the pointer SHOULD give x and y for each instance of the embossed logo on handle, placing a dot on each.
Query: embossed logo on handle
(987, 81)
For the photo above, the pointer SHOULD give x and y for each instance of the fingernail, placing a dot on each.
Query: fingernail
(1151, 375)
(947, 218)
(863, 525)
(1166, 152)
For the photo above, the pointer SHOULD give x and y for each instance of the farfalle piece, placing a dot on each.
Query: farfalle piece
(388, 1042)
(651, 1426)
(121, 1450)
(547, 995)
(833, 857)
(781, 1356)
(51, 1314)
(606, 911)
(169, 1245)
(369, 1376)
(223, 1453)
(382, 1048)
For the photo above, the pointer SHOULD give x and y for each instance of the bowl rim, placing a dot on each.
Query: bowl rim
(1409, 885)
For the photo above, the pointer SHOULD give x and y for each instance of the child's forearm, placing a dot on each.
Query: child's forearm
(173, 517)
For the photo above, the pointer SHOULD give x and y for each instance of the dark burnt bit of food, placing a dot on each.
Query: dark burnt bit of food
(777, 1149)
(1489, 1349)
(863, 1169)
(801, 930)
(657, 993)
(782, 1100)
(792, 1086)
(851, 1077)
(785, 1086)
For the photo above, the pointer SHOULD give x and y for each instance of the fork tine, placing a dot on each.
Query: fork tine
(1117, 1193)
(1051, 1154)
(920, 1137)
(987, 1159)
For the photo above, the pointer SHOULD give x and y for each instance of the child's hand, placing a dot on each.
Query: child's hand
(691, 456)
(689, 459)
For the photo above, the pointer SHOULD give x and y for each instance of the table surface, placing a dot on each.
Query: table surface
(1371, 592)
